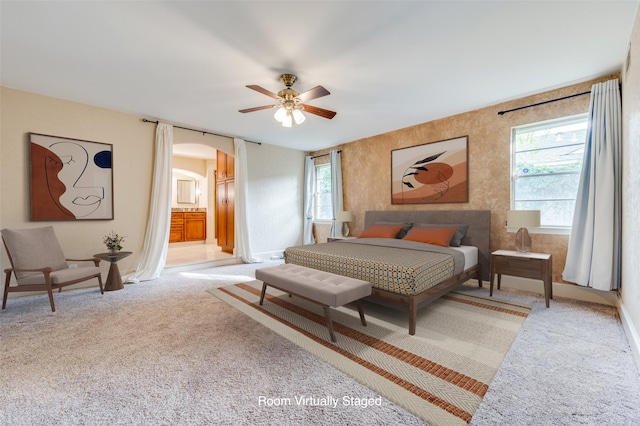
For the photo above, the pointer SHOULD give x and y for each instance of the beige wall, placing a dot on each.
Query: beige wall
(274, 181)
(195, 165)
(132, 142)
(630, 196)
(366, 164)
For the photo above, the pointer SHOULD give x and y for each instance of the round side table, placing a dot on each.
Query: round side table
(114, 279)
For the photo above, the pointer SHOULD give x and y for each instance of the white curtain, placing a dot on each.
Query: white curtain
(156, 240)
(241, 218)
(336, 192)
(309, 191)
(593, 256)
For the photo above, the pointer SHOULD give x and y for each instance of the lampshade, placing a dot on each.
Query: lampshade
(523, 218)
(288, 120)
(298, 116)
(280, 114)
(344, 216)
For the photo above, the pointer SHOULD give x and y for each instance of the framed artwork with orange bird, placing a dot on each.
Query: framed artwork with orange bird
(431, 173)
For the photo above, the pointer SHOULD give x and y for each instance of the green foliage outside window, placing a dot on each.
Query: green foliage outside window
(322, 199)
(546, 165)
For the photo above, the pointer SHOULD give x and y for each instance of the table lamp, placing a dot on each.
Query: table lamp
(523, 219)
(344, 217)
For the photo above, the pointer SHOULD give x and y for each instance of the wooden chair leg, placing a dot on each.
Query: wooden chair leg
(53, 306)
(47, 280)
(100, 283)
(7, 281)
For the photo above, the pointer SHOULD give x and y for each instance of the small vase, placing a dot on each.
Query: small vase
(113, 251)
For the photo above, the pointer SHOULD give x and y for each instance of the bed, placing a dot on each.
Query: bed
(407, 274)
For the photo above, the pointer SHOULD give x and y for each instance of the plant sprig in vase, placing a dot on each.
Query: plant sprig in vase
(113, 242)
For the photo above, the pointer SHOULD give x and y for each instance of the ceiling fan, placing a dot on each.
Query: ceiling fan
(291, 103)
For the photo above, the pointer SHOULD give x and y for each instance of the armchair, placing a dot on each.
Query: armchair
(38, 263)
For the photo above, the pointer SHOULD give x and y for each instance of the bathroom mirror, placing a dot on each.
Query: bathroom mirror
(186, 193)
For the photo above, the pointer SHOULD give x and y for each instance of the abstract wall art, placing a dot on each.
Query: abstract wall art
(70, 179)
(431, 173)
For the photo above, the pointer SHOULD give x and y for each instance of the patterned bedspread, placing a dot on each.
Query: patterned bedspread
(397, 266)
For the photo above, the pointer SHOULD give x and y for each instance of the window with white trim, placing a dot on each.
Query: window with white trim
(322, 197)
(546, 162)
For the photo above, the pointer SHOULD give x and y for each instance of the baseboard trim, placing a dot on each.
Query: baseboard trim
(270, 255)
(200, 265)
(630, 331)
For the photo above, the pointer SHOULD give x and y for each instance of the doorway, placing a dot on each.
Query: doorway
(193, 231)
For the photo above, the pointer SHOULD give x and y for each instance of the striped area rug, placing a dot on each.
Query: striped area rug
(440, 374)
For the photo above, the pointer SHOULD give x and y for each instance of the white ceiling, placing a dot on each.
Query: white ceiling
(387, 64)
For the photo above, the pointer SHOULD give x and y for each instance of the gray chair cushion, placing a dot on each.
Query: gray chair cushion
(34, 248)
(62, 275)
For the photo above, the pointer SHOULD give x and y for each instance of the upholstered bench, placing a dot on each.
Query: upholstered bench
(324, 288)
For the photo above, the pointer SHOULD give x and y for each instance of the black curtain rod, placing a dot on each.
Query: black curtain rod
(144, 120)
(323, 155)
(545, 102)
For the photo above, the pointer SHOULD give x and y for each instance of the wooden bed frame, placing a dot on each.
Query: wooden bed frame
(479, 222)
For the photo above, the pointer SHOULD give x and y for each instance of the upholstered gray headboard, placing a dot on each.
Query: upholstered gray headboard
(479, 222)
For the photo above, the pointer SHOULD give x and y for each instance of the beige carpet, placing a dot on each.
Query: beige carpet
(440, 375)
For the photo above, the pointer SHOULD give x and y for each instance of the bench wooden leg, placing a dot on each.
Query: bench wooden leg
(325, 308)
(264, 289)
(327, 315)
(361, 312)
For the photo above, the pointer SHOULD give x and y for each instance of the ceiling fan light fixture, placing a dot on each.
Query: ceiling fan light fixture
(280, 114)
(298, 116)
(290, 103)
(288, 120)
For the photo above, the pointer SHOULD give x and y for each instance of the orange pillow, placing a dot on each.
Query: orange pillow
(381, 231)
(440, 236)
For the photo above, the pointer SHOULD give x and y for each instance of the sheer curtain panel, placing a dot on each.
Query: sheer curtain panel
(156, 240)
(309, 191)
(241, 219)
(336, 192)
(593, 256)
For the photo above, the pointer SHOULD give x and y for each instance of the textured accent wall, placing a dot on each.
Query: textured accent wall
(366, 164)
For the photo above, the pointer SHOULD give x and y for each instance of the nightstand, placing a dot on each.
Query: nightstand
(536, 266)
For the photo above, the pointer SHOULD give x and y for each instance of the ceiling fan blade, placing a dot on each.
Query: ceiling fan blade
(263, 91)
(256, 108)
(315, 93)
(319, 111)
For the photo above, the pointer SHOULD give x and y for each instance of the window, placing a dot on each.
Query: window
(322, 199)
(545, 168)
